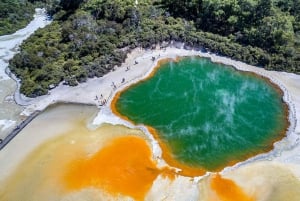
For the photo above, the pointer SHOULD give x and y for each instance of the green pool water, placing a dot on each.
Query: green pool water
(208, 114)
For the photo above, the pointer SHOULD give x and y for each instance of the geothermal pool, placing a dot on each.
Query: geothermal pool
(205, 115)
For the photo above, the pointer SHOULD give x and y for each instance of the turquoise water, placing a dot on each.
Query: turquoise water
(209, 115)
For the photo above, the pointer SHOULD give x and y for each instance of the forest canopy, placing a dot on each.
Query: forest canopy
(14, 16)
(88, 38)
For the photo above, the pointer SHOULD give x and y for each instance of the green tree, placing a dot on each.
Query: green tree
(71, 4)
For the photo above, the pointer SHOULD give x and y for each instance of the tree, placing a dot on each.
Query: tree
(71, 4)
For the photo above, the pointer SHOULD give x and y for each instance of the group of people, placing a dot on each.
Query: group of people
(104, 101)
(113, 85)
(101, 100)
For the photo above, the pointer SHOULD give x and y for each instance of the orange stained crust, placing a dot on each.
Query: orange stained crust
(169, 158)
(124, 166)
(187, 170)
(228, 190)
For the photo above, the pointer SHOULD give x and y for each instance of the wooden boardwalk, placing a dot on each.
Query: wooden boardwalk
(5, 141)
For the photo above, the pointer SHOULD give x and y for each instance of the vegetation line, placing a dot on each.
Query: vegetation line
(90, 38)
